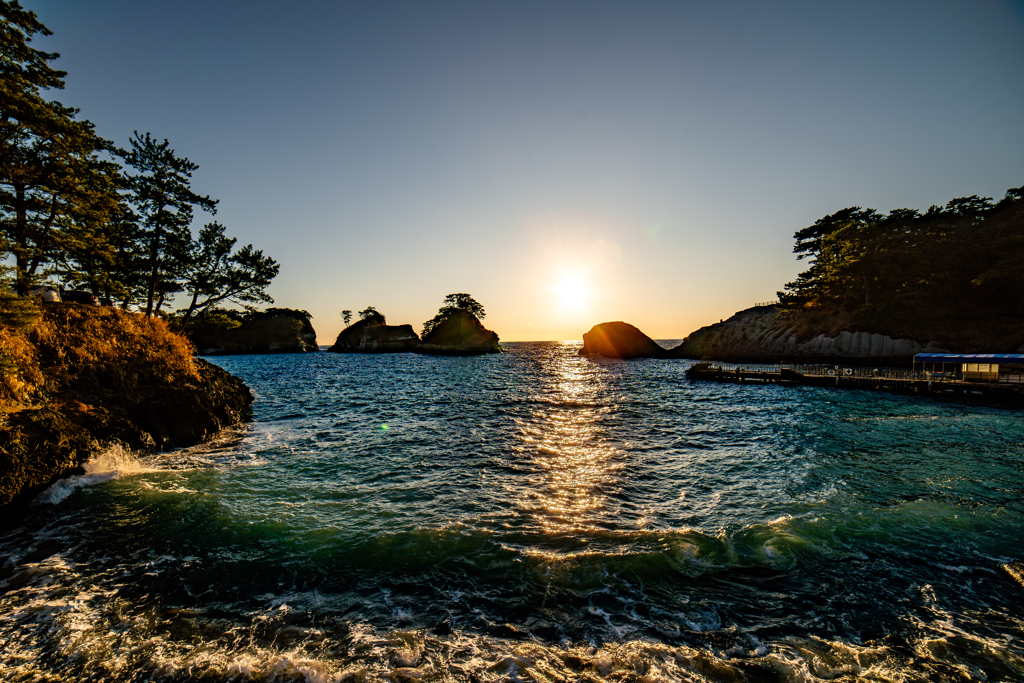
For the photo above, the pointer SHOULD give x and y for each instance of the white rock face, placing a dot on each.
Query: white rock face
(758, 333)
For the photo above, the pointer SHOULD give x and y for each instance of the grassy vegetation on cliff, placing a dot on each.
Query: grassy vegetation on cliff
(80, 379)
(63, 352)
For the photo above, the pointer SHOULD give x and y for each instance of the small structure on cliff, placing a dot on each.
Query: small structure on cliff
(621, 340)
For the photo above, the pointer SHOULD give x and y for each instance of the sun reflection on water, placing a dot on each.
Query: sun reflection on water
(573, 464)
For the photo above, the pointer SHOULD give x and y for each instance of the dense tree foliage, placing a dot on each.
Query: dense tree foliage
(67, 209)
(56, 191)
(214, 273)
(162, 196)
(371, 313)
(952, 265)
(454, 303)
(229, 318)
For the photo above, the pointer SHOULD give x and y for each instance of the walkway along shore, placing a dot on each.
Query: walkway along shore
(895, 380)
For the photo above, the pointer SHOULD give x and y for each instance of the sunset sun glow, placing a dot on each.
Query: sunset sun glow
(573, 292)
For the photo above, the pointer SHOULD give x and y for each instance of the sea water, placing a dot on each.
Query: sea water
(538, 516)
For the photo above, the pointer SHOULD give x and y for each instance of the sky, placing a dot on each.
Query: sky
(566, 163)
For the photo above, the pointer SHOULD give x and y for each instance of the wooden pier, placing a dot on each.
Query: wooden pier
(894, 380)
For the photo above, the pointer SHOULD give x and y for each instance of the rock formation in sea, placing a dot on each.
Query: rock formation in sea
(762, 335)
(276, 330)
(459, 334)
(83, 379)
(374, 335)
(620, 340)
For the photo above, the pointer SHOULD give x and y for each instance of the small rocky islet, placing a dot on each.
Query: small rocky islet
(276, 330)
(454, 332)
(460, 333)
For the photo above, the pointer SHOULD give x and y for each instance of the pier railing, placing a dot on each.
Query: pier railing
(818, 369)
(858, 372)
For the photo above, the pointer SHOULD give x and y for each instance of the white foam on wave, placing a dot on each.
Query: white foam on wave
(117, 462)
(113, 463)
(117, 644)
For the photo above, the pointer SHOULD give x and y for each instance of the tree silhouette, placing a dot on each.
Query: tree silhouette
(454, 303)
(913, 274)
(346, 316)
(214, 273)
(161, 193)
(369, 313)
(56, 192)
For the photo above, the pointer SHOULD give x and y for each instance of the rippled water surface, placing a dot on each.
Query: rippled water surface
(535, 516)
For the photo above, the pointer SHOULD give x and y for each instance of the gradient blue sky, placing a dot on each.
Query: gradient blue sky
(661, 153)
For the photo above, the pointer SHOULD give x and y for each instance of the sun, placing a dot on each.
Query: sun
(573, 292)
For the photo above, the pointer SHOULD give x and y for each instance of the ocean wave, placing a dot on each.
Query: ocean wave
(113, 463)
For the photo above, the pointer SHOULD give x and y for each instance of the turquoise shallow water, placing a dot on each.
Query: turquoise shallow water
(533, 516)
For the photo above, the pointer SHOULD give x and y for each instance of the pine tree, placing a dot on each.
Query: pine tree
(57, 192)
(163, 200)
(216, 273)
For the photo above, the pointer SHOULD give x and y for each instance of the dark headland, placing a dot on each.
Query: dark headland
(878, 289)
(79, 380)
(766, 334)
(221, 332)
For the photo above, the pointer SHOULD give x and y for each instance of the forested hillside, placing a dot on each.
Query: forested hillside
(954, 273)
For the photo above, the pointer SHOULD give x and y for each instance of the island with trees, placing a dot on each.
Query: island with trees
(229, 331)
(456, 330)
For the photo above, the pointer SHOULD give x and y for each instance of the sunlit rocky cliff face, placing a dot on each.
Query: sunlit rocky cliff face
(762, 335)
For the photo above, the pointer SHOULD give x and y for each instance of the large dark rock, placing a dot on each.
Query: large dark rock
(620, 340)
(278, 330)
(372, 335)
(40, 445)
(459, 334)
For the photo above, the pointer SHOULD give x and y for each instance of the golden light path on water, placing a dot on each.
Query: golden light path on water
(574, 463)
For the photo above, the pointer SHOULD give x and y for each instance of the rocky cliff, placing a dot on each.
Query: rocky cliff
(459, 334)
(278, 330)
(762, 335)
(82, 379)
(621, 340)
(372, 335)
